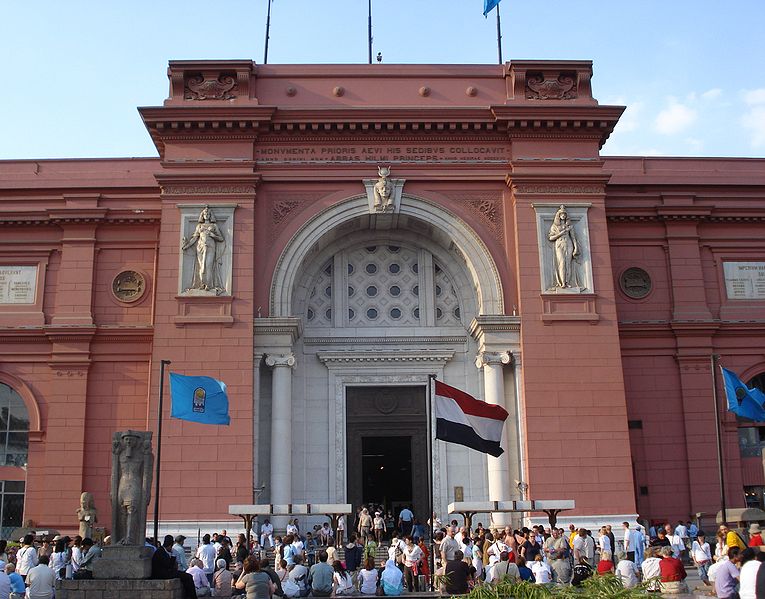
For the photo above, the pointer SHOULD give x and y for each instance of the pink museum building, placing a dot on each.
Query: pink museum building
(322, 238)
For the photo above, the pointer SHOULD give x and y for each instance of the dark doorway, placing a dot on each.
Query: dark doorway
(386, 446)
(386, 467)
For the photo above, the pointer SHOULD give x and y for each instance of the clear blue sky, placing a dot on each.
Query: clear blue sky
(690, 72)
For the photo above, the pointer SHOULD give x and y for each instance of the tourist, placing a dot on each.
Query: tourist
(5, 584)
(412, 556)
(637, 542)
(286, 550)
(559, 555)
(311, 547)
(179, 551)
(18, 588)
(164, 566)
(223, 580)
(378, 524)
(424, 568)
(365, 526)
(340, 536)
(449, 547)
(727, 575)
(242, 551)
(542, 572)
(201, 583)
(281, 570)
(626, 570)
(370, 549)
(503, 569)
(458, 573)
(40, 580)
(368, 578)
(755, 535)
(321, 577)
(476, 557)
(325, 535)
(418, 530)
(605, 564)
(523, 570)
(46, 548)
(342, 581)
(91, 552)
(265, 566)
(59, 560)
(26, 557)
(354, 554)
(673, 573)
(604, 541)
(732, 538)
(257, 583)
(651, 568)
(721, 547)
(207, 554)
(760, 581)
(581, 571)
(266, 534)
(298, 576)
(629, 548)
(750, 566)
(405, 521)
(224, 551)
(391, 579)
(661, 539)
(77, 554)
(701, 557)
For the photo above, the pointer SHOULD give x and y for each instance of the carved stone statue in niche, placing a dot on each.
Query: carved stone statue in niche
(566, 246)
(383, 190)
(210, 245)
(87, 515)
(132, 469)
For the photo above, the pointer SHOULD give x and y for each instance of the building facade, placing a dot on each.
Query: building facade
(323, 238)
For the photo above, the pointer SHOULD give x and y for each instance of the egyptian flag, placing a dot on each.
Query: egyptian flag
(463, 419)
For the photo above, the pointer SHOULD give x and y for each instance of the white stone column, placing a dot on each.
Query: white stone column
(281, 427)
(494, 393)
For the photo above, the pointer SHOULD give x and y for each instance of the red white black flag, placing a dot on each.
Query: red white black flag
(463, 419)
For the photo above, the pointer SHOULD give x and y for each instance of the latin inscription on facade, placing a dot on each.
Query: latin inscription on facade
(18, 284)
(745, 280)
(396, 153)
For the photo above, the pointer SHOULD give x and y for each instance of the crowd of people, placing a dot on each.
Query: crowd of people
(386, 556)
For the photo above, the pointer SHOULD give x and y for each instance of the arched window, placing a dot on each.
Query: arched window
(14, 428)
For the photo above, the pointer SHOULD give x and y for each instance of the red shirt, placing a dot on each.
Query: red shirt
(605, 566)
(756, 540)
(672, 569)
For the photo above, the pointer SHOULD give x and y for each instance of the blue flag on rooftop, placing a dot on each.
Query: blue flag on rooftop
(198, 399)
(743, 401)
(488, 6)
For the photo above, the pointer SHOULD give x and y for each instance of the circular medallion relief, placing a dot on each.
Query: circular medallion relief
(386, 402)
(129, 286)
(635, 283)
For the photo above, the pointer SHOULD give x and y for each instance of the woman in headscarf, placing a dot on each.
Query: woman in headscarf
(222, 580)
(392, 580)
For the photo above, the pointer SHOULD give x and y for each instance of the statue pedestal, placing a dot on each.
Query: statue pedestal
(119, 589)
(123, 562)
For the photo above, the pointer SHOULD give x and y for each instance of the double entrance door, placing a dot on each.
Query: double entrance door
(387, 448)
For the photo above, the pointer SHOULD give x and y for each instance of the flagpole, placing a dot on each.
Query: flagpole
(162, 365)
(268, 29)
(431, 519)
(721, 469)
(369, 22)
(499, 36)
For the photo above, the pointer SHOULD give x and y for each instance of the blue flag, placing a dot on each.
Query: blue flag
(199, 399)
(488, 5)
(743, 401)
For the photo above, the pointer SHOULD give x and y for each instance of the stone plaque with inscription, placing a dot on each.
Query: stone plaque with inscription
(744, 280)
(18, 284)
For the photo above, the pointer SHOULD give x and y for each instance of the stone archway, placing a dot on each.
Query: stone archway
(479, 263)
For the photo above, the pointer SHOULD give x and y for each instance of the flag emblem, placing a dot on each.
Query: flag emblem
(199, 400)
(743, 401)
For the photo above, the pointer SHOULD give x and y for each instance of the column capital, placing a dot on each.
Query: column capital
(280, 360)
(493, 359)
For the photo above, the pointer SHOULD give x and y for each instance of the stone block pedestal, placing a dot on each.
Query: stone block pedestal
(122, 562)
(119, 589)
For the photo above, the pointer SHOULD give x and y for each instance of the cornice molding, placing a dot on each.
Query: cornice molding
(423, 356)
(446, 340)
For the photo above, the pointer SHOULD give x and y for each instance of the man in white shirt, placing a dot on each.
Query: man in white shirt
(201, 583)
(628, 548)
(207, 554)
(604, 543)
(40, 580)
(267, 534)
(26, 557)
